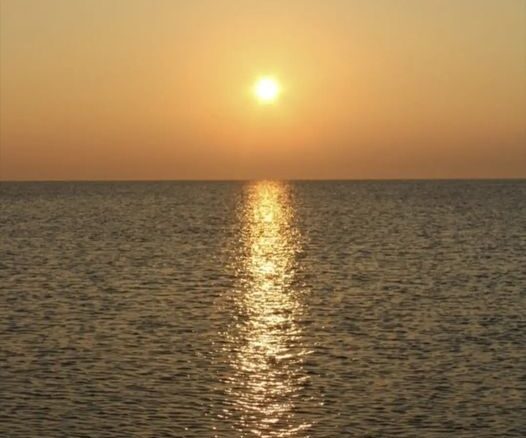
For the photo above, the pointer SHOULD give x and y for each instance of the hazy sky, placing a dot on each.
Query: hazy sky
(161, 89)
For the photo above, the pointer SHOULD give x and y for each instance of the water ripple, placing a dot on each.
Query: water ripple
(353, 309)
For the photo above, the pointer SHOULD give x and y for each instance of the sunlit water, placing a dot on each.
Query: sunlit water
(264, 309)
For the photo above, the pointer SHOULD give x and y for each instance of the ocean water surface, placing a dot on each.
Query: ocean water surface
(263, 309)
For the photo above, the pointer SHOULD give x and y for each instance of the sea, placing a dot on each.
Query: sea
(263, 309)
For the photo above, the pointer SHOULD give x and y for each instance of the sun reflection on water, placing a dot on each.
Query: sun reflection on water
(269, 352)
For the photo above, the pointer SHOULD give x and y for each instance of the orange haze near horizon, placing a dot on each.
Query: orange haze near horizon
(133, 89)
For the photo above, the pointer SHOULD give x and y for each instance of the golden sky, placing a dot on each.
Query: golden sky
(139, 89)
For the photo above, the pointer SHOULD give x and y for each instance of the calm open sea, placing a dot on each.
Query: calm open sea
(263, 309)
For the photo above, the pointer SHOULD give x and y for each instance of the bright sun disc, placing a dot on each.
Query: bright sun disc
(266, 90)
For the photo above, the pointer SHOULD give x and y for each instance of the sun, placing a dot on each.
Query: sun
(267, 89)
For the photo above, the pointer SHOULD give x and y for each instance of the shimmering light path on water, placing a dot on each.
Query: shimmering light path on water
(263, 309)
(266, 337)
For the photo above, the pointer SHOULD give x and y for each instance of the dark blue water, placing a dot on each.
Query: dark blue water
(264, 309)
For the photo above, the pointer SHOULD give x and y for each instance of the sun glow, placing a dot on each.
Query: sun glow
(267, 89)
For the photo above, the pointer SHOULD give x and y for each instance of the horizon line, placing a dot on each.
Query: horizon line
(520, 178)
